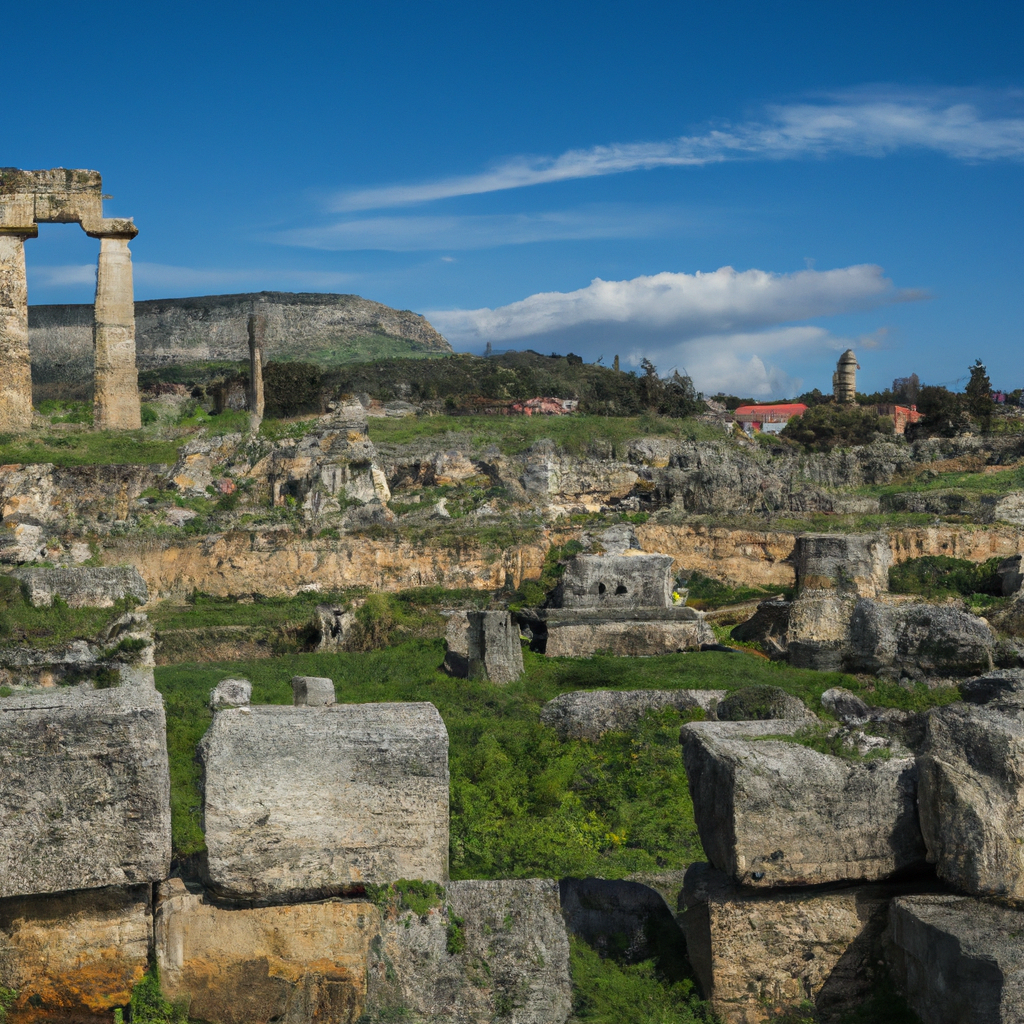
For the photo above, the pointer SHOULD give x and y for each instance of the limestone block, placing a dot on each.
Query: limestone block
(1010, 508)
(769, 623)
(589, 714)
(845, 705)
(757, 954)
(292, 964)
(818, 631)
(74, 956)
(333, 625)
(616, 581)
(230, 693)
(856, 564)
(514, 965)
(763, 703)
(494, 651)
(311, 801)
(15, 368)
(82, 587)
(972, 800)
(1009, 571)
(456, 640)
(312, 691)
(638, 638)
(771, 812)
(958, 959)
(84, 790)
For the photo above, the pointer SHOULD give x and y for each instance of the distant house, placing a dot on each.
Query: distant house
(901, 415)
(545, 406)
(769, 418)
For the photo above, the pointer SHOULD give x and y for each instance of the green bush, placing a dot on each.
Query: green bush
(828, 426)
(291, 389)
(939, 576)
(148, 414)
(148, 1005)
(707, 592)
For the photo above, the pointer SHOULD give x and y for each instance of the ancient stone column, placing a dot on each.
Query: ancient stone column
(15, 368)
(257, 332)
(116, 401)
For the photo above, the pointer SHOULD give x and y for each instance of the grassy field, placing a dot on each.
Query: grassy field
(515, 434)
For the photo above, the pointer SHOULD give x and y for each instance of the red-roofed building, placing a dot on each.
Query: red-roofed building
(769, 418)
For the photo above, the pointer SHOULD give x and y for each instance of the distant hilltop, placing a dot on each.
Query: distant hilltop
(321, 328)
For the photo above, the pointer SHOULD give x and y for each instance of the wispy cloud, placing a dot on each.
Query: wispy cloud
(866, 122)
(682, 305)
(414, 233)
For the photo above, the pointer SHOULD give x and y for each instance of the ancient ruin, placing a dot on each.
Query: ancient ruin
(60, 196)
(844, 380)
(257, 332)
(620, 603)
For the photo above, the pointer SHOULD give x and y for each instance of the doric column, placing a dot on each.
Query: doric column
(257, 332)
(116, 399)
(15, 363)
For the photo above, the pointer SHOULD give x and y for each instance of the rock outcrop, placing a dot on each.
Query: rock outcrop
(82, 587)
(230, 693)
(483, 645)
(972, 799)
(773, 812)
(306, 802)
(213, 327)
(958, 959)
(589, 714)
(84, 790)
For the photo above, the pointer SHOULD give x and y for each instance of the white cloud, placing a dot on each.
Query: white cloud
(61, 276)
(865, 122)
(409, 234)
(678, 305)
(729, 330)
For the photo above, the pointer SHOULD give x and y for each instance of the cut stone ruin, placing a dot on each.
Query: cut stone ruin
(618, 603)
(82, 587)
(483, 645)
(322, 798)
(31, 198)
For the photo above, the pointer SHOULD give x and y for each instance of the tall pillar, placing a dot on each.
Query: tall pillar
(116, 400)
(257, 332)
(15, 363)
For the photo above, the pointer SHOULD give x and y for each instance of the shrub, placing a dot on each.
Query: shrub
(938, 576)
(292, 388)
(828, 426)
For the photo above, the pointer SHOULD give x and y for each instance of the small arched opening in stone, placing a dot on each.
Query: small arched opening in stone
(620, 590)
(601, 588)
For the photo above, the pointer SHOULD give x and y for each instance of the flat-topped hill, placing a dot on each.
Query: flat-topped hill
(322, 328)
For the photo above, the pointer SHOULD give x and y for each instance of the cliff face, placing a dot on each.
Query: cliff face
(213, 327)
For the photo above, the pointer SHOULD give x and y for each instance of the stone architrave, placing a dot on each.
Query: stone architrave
(85, 796)
(63, 196)
(15, 369)
(308, 802)
(257, 328)
(116, 397)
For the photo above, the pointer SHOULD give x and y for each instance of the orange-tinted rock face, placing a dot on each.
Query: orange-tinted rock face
(250, 966)
(74, 956)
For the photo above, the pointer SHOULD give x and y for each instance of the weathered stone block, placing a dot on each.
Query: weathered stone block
(589, 714)
(312, 691)
(757, 954)
(230, 693)
(850, 563)
(576, 637)
(305, 802)
(972, 798)
(763, 703)
(82, 587)
(292, 964)
(514, 965)
(616, 582)
(958, 959)
(494, 649)
(84, 790)
(74, 956)
(771, 812)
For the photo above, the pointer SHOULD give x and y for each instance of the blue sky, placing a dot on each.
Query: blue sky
(740, 190)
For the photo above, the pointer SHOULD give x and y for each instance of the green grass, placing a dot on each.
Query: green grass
(707, 592)
(523, 804)
(973, 483)
(366, 348)
(939, 576)
(576, 434)
(20, 623)
(87, 448)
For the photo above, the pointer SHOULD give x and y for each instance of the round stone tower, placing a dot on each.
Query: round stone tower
(844, 380)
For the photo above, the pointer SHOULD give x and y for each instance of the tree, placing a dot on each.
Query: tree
(905, 390)
(943, 411)
(979, 393)
(824, 427)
